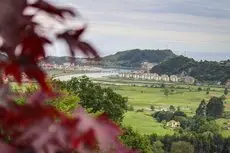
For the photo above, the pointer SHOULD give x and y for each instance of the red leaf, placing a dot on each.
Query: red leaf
(4, 97)
(14, 70)
(30, 68)
(87, 49)
(33, 46)
(88, 138)
(45, 134)
(106, 132)
(38, 98)
(72, 38)
(11, 21)
(36, 73)
(5, 148)
(52, 9)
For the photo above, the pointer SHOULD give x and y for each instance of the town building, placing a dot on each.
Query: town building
(174, 78)
(165, 78)
(156, 77)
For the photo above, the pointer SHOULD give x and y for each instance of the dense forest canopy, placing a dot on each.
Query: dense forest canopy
(201, 70)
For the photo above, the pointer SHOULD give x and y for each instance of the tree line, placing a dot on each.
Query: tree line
(201, 70)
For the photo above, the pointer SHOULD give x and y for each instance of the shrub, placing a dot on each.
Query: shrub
(140, 110)
(162, 85)
(223, 97)
(179, 113)
(152, 107)
(226, 91)
(136, 141)
(172, 108)
(199, 89)
(182, 147)
(163, 115)
(130, 108)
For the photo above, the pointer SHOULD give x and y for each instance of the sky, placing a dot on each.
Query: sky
(195, 28)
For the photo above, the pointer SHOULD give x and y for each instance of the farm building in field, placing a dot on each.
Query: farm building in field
(173, 124)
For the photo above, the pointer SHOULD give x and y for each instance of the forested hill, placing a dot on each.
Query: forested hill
(129, 58)
(134, 58)
(202, 70)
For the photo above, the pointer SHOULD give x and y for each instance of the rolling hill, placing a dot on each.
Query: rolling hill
(134, 58)
(129, 58)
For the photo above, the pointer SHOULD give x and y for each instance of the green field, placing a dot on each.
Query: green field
(142, 97)
(144, 123)
(145, 96)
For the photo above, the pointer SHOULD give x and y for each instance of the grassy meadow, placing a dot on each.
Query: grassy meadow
(188, 100)
(143, 97)
(144, 123)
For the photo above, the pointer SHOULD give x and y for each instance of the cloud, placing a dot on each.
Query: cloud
(191, 25)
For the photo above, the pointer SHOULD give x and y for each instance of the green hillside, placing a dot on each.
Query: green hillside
(134, 58)
(202, 70)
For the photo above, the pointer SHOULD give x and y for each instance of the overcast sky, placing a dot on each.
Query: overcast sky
(197, 28)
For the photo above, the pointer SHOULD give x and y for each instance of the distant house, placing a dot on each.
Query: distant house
(189, 80)
(156, 77)
(47, 66)
(130, 75)
(135, 75)
(148, 76)
(165, 78)
(140, 75)
(173, 124)
(174, 78)
(120, 75)
(126, 75)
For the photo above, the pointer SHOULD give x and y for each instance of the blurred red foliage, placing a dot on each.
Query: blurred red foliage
(36, 127)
